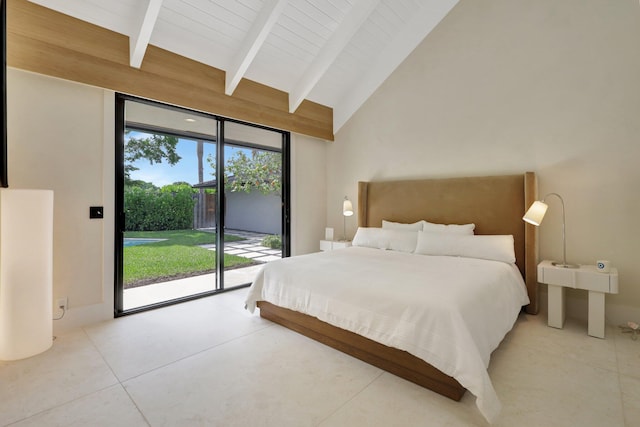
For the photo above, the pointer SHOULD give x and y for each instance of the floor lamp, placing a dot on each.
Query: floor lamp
(26, 272)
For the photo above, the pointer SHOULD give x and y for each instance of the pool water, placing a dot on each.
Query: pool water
(129, 241)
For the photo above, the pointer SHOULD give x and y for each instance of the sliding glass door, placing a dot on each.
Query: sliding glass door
(202, 202)
(253, 176)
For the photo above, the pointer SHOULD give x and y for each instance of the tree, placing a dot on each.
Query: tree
(261, 171)
(154, 147)
(144, 185)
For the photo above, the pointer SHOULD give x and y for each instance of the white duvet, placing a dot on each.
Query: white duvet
(449, 311)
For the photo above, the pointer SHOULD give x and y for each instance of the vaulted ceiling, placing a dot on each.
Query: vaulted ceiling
(333, 52)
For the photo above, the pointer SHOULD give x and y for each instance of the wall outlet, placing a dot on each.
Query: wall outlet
(63, 303)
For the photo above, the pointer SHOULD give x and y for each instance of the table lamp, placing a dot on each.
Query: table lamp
(535, 215)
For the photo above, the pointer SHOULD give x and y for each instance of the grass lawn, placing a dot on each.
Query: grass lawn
(176, 257)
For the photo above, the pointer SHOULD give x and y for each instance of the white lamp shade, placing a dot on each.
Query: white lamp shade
(26, 272)
(536, 212)
(347, 208)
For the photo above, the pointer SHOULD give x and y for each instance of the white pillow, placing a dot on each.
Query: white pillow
(448, 228)
(402, 241)
(369, 237)
(389, 225)
(491, 247)
(379, 238)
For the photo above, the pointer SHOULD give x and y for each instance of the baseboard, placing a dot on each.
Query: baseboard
(79, 317)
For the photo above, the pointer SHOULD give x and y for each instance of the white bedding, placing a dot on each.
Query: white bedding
(449, 311)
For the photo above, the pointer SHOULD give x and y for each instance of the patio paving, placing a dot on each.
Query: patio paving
(251, 247)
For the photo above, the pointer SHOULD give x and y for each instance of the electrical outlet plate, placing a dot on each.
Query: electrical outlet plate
(62, 303)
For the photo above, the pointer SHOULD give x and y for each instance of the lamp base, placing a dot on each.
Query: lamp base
(561, 265)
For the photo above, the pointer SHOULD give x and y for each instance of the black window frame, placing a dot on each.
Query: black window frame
(121, 125)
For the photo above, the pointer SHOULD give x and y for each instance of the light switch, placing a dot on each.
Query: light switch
(96, 212)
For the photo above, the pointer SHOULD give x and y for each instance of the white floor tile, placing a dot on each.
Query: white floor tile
(106, 408)
(275, 377)
(631, 400)
(210, 362)
(571, 342)
(538, 387)
(392, 401)
(70, 369)
(628, 354)
(138, 343)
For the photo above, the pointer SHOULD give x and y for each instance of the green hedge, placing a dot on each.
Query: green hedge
(152, 209)
(272, 241)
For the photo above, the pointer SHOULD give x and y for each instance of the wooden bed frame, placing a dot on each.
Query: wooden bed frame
(495, 204)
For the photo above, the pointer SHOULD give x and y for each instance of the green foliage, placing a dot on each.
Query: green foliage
(152, 209)
(142, 184)
(272, 241)
(181, 237)
(262, 171)
(154, 147)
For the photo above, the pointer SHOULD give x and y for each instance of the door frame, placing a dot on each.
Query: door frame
(119, 217)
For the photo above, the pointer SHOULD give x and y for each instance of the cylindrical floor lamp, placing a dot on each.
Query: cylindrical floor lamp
(26, 272)
(347, 210)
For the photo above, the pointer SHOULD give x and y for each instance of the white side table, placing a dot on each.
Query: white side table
(329, 245)
(585, 277)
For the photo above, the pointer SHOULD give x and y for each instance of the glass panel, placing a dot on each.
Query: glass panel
(253, 198)
(169, 249)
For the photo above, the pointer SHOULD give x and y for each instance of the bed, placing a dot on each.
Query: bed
(494, 204)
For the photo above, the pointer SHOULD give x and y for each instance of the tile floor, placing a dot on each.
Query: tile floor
(210, 363)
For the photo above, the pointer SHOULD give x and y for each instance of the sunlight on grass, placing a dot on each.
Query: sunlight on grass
(178, 256)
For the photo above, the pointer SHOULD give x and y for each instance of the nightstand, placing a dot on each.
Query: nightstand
(586, 277)
(329, 245)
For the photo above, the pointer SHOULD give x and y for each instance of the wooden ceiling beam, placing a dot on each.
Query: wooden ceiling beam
(252, 43)
(51, 43)
(138, 42)
(349, 26)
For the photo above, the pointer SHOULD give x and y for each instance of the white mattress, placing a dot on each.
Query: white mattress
(451, 312)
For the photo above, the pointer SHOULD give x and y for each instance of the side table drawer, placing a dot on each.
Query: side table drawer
(556, 276)
(593, 282)
(341, 244)
(326, 245)
(330, 245)
(586, 277)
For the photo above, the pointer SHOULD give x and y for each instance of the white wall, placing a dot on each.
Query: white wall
(507, 86)
(308, 193)
(61, 137)
(56, 141)
(254, 211)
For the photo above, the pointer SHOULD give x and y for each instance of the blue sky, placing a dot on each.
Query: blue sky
(185, 170)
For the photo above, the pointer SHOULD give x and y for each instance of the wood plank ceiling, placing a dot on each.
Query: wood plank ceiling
(332, 52)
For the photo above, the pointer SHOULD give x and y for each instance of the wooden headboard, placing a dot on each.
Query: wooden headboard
(496, 204)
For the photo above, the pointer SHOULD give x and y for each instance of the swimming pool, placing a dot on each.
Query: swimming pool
(129, 241)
